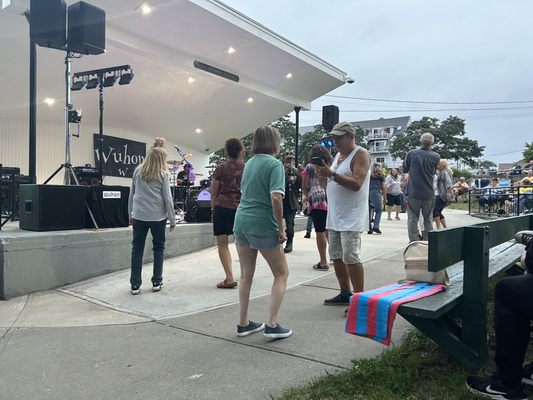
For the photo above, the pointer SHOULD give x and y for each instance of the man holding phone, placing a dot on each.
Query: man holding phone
(347, 192)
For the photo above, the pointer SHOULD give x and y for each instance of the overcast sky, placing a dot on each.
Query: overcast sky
(445, 51)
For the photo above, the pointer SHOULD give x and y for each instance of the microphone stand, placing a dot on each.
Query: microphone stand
(187, 185)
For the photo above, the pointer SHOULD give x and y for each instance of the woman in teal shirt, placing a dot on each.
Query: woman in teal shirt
(259, 228)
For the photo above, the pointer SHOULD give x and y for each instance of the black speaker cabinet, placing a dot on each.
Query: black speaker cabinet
(86, 28)
(330, 117)
(51, 207)
(109, 205)
(48, 23)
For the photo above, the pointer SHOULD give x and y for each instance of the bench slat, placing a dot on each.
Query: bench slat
(502, 257)
(446, 247)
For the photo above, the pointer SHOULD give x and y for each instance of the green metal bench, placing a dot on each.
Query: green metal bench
(457, 318)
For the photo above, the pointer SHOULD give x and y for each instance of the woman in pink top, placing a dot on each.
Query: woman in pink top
(225, 198)
(314, 189)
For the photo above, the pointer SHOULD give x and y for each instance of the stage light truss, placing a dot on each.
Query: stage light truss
(105, 77)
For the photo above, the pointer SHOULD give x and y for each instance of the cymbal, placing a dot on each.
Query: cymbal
(198, 174)
(211, 166)
(174, 162)
(187, 156)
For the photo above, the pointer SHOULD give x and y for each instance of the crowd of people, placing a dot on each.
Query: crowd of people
(257, 202)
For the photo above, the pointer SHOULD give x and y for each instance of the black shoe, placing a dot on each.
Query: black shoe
(288, 248)
(491, 387)
(308, 235)
(523, 237)
(339, 300)
(370, 232)
(376, 230)
(156, 287)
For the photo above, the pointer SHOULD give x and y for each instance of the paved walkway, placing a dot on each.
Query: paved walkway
(93, 340)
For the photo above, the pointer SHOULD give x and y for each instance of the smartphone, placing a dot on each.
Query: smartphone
(317, 161)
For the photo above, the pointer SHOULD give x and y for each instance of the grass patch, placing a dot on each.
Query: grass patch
(417, 369)
(460, 205)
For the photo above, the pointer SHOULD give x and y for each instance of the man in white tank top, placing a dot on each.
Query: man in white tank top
(347, 192)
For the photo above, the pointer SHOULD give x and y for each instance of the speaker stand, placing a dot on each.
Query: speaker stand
(67, 166)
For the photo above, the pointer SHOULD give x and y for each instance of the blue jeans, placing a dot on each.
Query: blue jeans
(375, 198)
(140, 230)
(309, 226)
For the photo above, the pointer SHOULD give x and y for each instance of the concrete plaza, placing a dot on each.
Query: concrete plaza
(94, 340)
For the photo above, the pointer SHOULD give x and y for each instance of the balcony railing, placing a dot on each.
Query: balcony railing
(381, 149)
(373, 136)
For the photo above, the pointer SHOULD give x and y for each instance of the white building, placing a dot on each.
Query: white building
(379, 134)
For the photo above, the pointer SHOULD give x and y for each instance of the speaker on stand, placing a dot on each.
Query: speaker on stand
(48, 23)
(330, 117)
(86, 29)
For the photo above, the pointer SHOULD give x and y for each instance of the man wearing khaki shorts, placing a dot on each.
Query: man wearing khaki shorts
(347, 193)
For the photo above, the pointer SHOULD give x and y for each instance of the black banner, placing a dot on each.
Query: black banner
(120, 156)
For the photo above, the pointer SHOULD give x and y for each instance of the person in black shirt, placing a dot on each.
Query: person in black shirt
(513, 313)
(293, 183)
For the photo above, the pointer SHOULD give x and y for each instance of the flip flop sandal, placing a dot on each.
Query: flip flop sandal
(319, 267)
(226, 285)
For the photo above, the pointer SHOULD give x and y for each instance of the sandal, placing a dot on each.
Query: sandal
(319, 267)
(225, 285)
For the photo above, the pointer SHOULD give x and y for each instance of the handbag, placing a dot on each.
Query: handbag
(415, 257)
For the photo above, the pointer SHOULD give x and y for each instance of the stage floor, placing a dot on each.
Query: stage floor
(34, 261)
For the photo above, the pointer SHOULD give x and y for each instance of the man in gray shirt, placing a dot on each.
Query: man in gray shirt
(421, 164)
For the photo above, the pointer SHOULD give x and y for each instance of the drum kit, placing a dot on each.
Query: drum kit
(192, 203)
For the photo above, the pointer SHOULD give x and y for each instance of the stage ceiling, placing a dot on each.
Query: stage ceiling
(168, 95)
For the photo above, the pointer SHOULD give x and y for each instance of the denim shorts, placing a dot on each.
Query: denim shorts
(257, 242)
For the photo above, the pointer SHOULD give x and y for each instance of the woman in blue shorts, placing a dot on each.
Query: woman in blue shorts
(259, 228)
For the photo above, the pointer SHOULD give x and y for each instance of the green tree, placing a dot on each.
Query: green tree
(528, 152)
(487, 164)
(450, 140)
(360, 137)
(308, 140)
(411, 138)
(220, 155)
(287, 130)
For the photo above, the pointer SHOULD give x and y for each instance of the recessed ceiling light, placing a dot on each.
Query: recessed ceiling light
(250, 100)
(49, 101)
(231, 50)
(191, 79)
(198, 131)
(288, 76)
(145, 8)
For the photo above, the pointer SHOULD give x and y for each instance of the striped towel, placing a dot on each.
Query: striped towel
(372, 313)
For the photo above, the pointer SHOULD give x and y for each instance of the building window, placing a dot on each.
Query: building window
(380, 159)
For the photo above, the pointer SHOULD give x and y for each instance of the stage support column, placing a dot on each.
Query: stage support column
(296, 139)
(32, 153)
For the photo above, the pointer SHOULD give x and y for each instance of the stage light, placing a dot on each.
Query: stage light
(49, 101)
(145, 8)
(92, 83)
(250, 100)
(231, 50)
(77, 84)
(110, 80)
(126, 78)
(191, 80)
(198, 131)
(288, 76)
